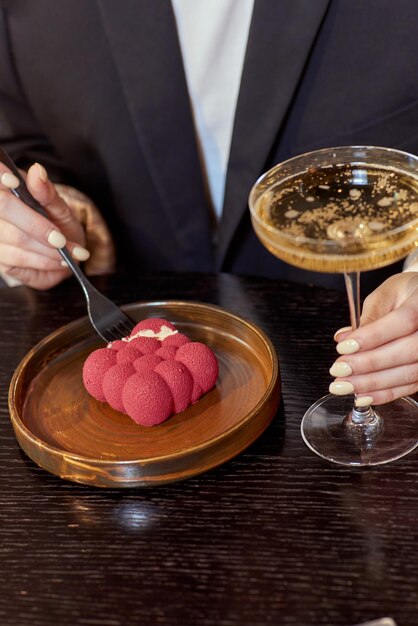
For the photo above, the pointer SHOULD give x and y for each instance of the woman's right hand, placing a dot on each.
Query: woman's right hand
(29, 242)
(379, 360)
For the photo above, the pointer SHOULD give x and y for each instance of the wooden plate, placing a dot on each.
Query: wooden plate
(68, 433)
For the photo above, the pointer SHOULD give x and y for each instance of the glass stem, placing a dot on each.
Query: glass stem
(359, 415)
(352, 285)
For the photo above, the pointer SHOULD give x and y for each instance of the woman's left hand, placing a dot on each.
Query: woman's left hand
(379, 360)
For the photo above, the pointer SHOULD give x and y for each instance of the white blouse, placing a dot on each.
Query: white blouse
(213, 37)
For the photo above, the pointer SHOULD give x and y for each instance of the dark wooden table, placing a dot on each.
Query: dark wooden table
(276, 536)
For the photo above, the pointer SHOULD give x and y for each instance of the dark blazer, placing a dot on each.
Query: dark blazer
(96, 91)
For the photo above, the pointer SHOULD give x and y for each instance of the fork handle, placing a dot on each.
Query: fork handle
(23, 193)
(86, 285)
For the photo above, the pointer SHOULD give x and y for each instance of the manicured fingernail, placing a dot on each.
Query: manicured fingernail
(81, 254)
(364, 401)
(349, 346)
(10, 280)
(341, 388)
(64, 264)
(10, 180)
(340, 369)
(345, 329)
(42, 172)
(56, 239)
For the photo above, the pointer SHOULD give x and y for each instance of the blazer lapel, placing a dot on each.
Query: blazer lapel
(280, 39)
(143, 39)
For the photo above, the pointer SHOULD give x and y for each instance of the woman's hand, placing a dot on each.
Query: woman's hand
(379, 360)
(29, 241)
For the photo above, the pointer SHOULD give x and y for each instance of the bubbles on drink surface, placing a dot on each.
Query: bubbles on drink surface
(343, 203)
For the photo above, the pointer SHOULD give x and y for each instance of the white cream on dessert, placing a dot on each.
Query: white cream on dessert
(164, 332)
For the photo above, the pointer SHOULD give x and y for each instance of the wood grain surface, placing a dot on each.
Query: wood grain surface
(275, 536)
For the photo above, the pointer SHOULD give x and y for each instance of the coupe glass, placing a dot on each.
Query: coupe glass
(344, 210)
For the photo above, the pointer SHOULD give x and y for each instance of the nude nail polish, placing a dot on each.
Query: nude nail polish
(349, 346)
(10, 180)
(340, 369)
(81, 254)
(364, 401)
(56, 239)
(341, 388)
(42, 172)
(345, 329)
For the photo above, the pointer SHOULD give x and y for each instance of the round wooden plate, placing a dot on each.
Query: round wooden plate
(68, 433)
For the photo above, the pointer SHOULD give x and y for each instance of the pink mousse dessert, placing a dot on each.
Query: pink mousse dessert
(151, 374)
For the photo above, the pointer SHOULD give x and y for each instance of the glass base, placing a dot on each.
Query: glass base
(328, 431)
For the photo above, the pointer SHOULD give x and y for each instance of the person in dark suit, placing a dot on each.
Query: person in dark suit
(97, 95)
